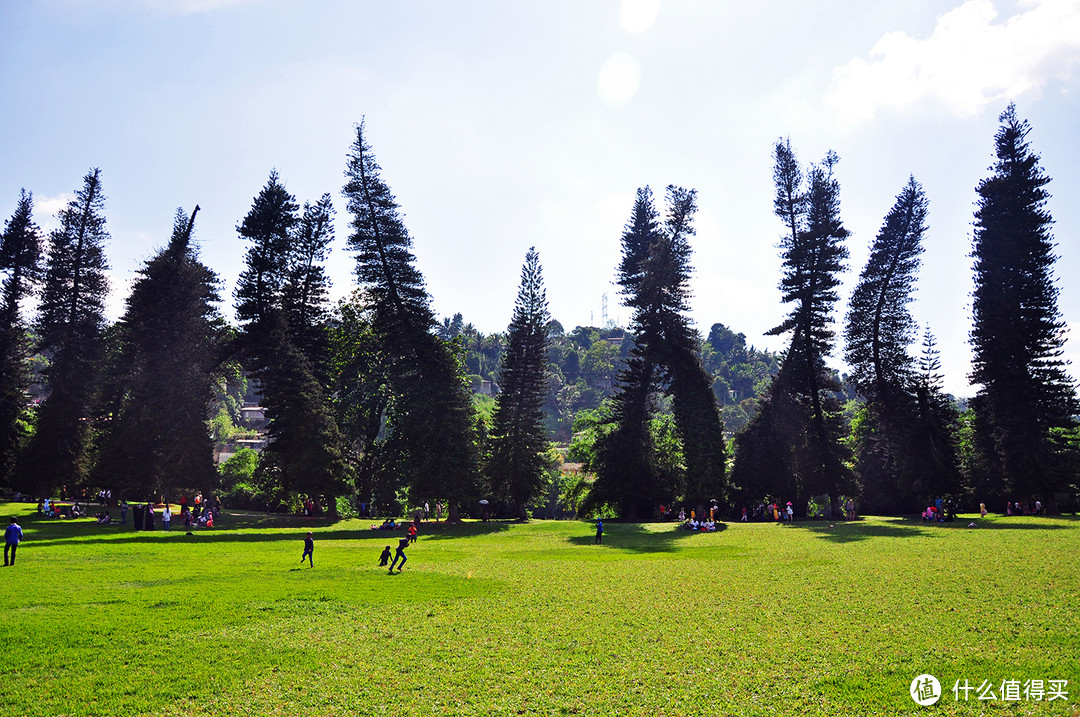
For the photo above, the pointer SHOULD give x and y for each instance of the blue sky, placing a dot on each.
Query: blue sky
(501, 126)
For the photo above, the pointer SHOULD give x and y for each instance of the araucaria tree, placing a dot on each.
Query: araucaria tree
(892, 459)
(633, 471)
(165, 349)
(1026, 405)
(518, 435)
(70, 323)
(430, 437)
(792, 448)
(20, 258)
(281, 307)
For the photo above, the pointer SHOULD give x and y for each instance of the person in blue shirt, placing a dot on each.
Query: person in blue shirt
(13, 536)
(599, 530)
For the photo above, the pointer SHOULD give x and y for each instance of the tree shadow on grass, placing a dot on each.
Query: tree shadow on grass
(636, 538)
(47, 531)
(464, 529)
(913, 526)
(854, 531)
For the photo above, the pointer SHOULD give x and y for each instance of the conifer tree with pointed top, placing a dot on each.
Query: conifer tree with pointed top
(20, 258)
(431, 437)
(801, 398)
(879, 331)
(70, 325)
(281, 306)
(518, 435)
(664, 361)
(1025, 400)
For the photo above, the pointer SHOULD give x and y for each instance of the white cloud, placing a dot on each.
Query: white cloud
(970, 60)
(46, 208)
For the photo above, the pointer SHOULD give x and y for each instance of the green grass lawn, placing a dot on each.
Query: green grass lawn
(497, 618)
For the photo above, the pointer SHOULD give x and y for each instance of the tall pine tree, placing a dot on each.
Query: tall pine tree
(166, 347)
(70, 324)
(1025, 398)
(801, 397)
(281, 306)
(878, 334)
(20, 258)
(518, 435)
(664, 361)
(431, 430)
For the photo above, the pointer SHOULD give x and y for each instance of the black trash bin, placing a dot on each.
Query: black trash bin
(137, 516)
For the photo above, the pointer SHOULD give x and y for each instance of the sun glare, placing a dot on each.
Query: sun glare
(618, 80)
(637, 16)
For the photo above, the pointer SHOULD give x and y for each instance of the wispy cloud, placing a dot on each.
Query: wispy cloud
(971, 59)
(45, 209)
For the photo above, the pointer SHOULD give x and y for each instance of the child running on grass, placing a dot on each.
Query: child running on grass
(402, 544)
(385, 557)
(309, 550)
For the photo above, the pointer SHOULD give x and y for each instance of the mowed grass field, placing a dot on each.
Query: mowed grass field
(506, 619)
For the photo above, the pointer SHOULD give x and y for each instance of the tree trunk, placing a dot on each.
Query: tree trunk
(452, 513)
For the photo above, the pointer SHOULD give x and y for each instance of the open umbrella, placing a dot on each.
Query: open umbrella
(483, 502)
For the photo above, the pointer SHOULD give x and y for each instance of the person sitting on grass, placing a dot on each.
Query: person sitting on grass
(103, 518)
(385, 557)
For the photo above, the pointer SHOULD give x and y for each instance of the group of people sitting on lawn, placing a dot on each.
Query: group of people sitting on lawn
(939, 511)
(51, 509)
(707, 524)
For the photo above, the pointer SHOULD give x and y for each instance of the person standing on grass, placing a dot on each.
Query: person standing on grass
(12, 538)
(309, 550)
(384, 557)
(599, 532)
(402, 544)
(166, 517)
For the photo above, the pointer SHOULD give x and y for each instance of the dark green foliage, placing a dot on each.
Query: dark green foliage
(879, 324)
(20, 258)
(165, 349)
(632, 472)
(281, 306)
(305, 449)
(1025, 396)
(269, 227)
(902, 433)
(430, 426)
(306, 286)
(361, 388)
(518, 439)
(385, 265)
(802, 399)
(69, 325)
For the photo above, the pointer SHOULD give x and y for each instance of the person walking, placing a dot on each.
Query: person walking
(12, 538)
(402, 544)
(309, 550)
(166, 517)
(599, 532)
